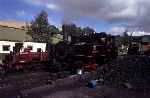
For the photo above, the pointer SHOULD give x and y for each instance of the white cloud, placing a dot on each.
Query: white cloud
(117, 30)
(52, 6)
(21, 13)
(138, 33)
(36, 2)
(132, 12)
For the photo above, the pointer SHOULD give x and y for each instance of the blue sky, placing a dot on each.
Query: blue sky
(102, 15)
(18, 10)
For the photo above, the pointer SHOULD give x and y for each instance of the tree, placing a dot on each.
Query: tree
(53, 29)
(125, 38)
(39, 28)
(88, 31)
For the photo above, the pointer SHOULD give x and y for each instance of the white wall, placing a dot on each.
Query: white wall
(35, 46)
(25, 45)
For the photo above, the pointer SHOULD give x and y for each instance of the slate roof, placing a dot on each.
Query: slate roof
(13, 34)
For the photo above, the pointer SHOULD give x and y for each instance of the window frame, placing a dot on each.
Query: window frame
(30, 46)
(39, 49)
(5, 46)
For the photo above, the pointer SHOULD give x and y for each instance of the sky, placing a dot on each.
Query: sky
(112, 16)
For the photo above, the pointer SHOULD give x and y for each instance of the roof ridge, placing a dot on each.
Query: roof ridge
(12, 27)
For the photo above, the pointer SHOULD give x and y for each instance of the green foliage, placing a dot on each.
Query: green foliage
(40, 30)
(53, 29)
(125, 39)
(88, 31)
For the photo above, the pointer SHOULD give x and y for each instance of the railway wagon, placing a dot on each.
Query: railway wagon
(26, 59)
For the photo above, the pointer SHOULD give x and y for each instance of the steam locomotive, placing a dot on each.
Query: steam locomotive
(84, 52)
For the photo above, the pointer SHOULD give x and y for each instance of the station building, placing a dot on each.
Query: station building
(9, 36)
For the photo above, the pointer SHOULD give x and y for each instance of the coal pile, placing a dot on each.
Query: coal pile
(128, 72)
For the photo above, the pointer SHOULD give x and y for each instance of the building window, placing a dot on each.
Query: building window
(6, 47)
(39, 50)
(30, 47)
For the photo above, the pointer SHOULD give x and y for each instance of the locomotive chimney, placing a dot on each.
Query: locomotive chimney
(64, 30)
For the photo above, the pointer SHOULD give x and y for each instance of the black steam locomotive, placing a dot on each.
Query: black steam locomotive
(85, 52)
